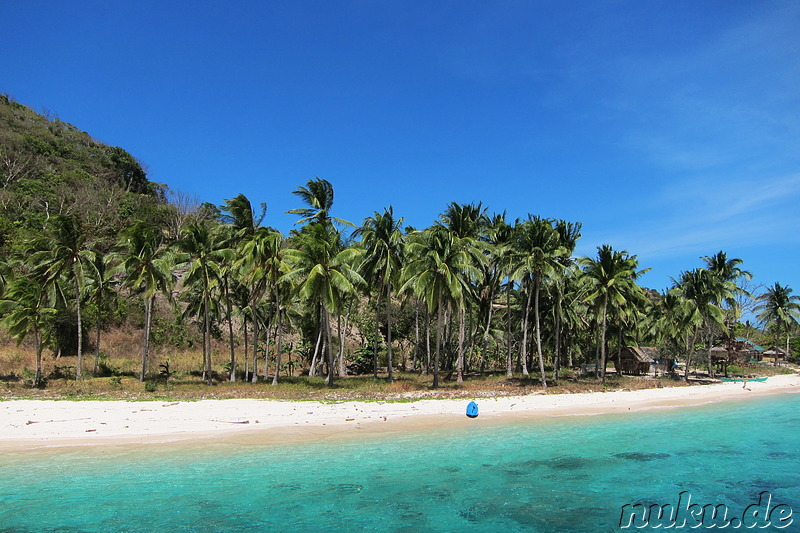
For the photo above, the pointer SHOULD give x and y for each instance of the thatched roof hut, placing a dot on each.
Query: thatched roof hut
(638, 359)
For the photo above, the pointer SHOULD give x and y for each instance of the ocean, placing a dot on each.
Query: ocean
(564, 474)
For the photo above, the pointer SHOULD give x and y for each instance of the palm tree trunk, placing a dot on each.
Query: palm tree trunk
(327, 316)
(79, 366)
(389, 329)
(485, 346)
(603, 338)
(416, 334)
(427, 342)
(377, 330)
(557, 355)
(313, 370)
(509, 372)
(246, 353)
(37, 380)
(524, 347)
(539, 335)
(342, 369)
(207, 340)
(256, 330)
(230, 331)
(279, 339)
(97, 349)
(438, 338)
(148, 310)
(460, 362)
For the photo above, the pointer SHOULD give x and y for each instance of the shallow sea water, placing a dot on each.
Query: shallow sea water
(552, 475)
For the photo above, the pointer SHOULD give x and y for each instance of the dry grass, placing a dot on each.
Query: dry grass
(121, 360)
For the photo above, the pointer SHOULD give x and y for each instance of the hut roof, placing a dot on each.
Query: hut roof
(643, 354)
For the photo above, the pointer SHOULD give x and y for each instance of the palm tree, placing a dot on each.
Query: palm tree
(202, 255)
(28, 309)
(701, 292)
(466, 222)
(63, 252)
(613, 275)
(256, 256)
(146, 264)
(568, 235)
(778, 306)
(538, 253)
(102, 292)
(382, 239)
(318, 195)
(435, 267)
(323, 272)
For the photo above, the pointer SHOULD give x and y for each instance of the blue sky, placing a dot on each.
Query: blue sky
(669, 129)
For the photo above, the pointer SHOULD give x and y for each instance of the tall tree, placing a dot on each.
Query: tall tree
(434, 266)
(538, 253)
(613, 275)
(101, 291)
(147, 267)
(27, 306)
(323, 272)
(203, 253)
(382, 239)
(318, 196)
(779, 307)
(63, 251)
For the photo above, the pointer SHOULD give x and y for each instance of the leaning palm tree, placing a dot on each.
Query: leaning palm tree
(779, 307)
(382, 239)
(64, 252)
(146, 265)
(323, 273)
(613, 275)
(27, 306)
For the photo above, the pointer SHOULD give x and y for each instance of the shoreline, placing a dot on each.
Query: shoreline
(27, 425)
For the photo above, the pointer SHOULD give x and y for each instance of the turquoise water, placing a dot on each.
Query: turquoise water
(565, 474)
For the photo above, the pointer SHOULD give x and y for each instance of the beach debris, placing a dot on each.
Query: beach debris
(170, 404)
(232, 421)
(90, 430)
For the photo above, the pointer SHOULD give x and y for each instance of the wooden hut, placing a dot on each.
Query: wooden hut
(639, 360)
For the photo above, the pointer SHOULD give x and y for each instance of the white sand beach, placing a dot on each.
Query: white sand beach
(37, 424)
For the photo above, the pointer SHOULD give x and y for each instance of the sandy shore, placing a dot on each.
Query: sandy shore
(37, 424)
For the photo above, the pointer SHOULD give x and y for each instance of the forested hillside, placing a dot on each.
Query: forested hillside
(49, 167)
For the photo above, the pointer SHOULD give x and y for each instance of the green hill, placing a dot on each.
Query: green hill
(50, 167)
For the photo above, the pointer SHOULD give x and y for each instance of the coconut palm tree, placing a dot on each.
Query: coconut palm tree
(63, 251)
(202, 254)
(467, 223)
(702, 293)
(613, 275)
(28, 309)
(323, 272)
(382, 239)
(779, 307)
(318, 195)
(146, 263)
(102, 292)
(537, 256)
(256, 260)
(437, 266)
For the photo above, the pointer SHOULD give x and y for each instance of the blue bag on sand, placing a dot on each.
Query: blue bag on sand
(472, 410)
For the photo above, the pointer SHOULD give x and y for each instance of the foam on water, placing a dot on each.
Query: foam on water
(565, 474)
